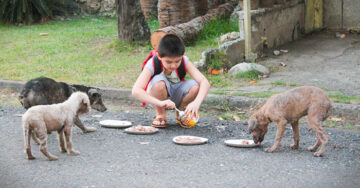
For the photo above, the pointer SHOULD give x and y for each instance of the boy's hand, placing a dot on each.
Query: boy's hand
(168, 104)
(193, 107)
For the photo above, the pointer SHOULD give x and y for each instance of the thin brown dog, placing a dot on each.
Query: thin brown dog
(42, 119)
(287, 108)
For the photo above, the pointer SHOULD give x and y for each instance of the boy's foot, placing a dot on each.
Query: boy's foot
(159, 122)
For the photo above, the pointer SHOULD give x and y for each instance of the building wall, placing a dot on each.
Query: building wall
(341, 13)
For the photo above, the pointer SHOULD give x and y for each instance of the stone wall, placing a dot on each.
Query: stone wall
(341, 13)
(101, 7)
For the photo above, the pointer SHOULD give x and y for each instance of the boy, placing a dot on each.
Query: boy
(162, 83)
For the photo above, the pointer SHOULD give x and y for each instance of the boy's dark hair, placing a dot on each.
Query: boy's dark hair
(171, 46)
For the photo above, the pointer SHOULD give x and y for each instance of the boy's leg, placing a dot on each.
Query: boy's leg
(158, 88)
(189, 97)
(159, 91)
(184, 93)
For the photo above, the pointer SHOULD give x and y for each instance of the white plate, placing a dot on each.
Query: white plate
(145, 130)
(115, 123)
(189, 140)
(240, 143)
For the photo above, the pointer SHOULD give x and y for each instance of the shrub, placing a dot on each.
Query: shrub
(30, 11)
(218, 60)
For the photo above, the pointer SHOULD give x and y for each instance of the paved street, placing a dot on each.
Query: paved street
(111, 158)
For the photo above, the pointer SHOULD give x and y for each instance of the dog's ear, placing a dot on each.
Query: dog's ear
(252, 125)
(93, 91)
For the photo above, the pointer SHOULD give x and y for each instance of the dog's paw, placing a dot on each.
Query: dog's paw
(31, 157)
(73, 152)
(89, 129)
(293, 146)
(312, 149)
(269, 150)
(318, 154)
(52, 158)
(63, 150)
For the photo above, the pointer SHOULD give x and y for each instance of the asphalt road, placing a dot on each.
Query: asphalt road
(111, 158)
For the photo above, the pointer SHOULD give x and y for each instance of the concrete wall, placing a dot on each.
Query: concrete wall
(341, 13)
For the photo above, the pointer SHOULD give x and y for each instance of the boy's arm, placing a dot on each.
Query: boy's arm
(138, 91)
(203, 90)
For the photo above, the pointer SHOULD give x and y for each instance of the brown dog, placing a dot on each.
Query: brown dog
(289, 107)
(60, 117)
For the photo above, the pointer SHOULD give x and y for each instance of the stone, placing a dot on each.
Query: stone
(228, 37)
(276, 52)
(244, 67)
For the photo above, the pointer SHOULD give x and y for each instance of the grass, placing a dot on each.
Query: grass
(280, 83)
(86, 51)
(250, 75)
(339, 98)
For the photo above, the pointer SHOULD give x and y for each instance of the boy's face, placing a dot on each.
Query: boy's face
(171, 63)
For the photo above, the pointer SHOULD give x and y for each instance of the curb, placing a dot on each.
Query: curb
(216, 102)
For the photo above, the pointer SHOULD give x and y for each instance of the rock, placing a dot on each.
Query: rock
(108, 8)
(228, 37)
(234, 15)
(337, 34)
(244, 67)
(276, 52)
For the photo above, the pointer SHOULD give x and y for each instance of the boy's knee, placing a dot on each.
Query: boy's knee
(159, 86)
(194, 90)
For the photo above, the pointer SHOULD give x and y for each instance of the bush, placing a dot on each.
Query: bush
(218, 60)
(30, 11)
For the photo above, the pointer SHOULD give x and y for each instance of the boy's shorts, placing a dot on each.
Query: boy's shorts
(176, 92)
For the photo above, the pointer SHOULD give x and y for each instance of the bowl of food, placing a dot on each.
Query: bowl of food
(190, 119)
(241, 143)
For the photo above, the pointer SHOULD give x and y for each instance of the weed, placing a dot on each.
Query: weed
(252, 75)
(340, 98)
(218, 80)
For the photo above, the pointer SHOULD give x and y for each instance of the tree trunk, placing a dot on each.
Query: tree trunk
(169, 12)
(131, 21)
(201, 7)
(189, 30)
(192, 8)
(214, 3)
(149, 8)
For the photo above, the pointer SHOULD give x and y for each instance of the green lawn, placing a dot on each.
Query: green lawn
(81, 50)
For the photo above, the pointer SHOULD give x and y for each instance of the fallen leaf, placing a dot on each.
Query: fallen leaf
(252, 81)
(335, 119)
(209, 70)
(44, 34)
(215, 72)
(283, 64)
(236, 118)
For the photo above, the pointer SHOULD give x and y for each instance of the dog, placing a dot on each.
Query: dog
(289, 107)
(41, 119)
(43, 90)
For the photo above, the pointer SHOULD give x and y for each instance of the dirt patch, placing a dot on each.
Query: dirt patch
(321, 60)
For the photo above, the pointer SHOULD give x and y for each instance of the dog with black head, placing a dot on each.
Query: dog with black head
(43, 91)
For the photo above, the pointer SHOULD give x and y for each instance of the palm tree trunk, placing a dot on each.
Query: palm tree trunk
(131, 21)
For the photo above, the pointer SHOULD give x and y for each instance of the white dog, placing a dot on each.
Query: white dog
(42, 119)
